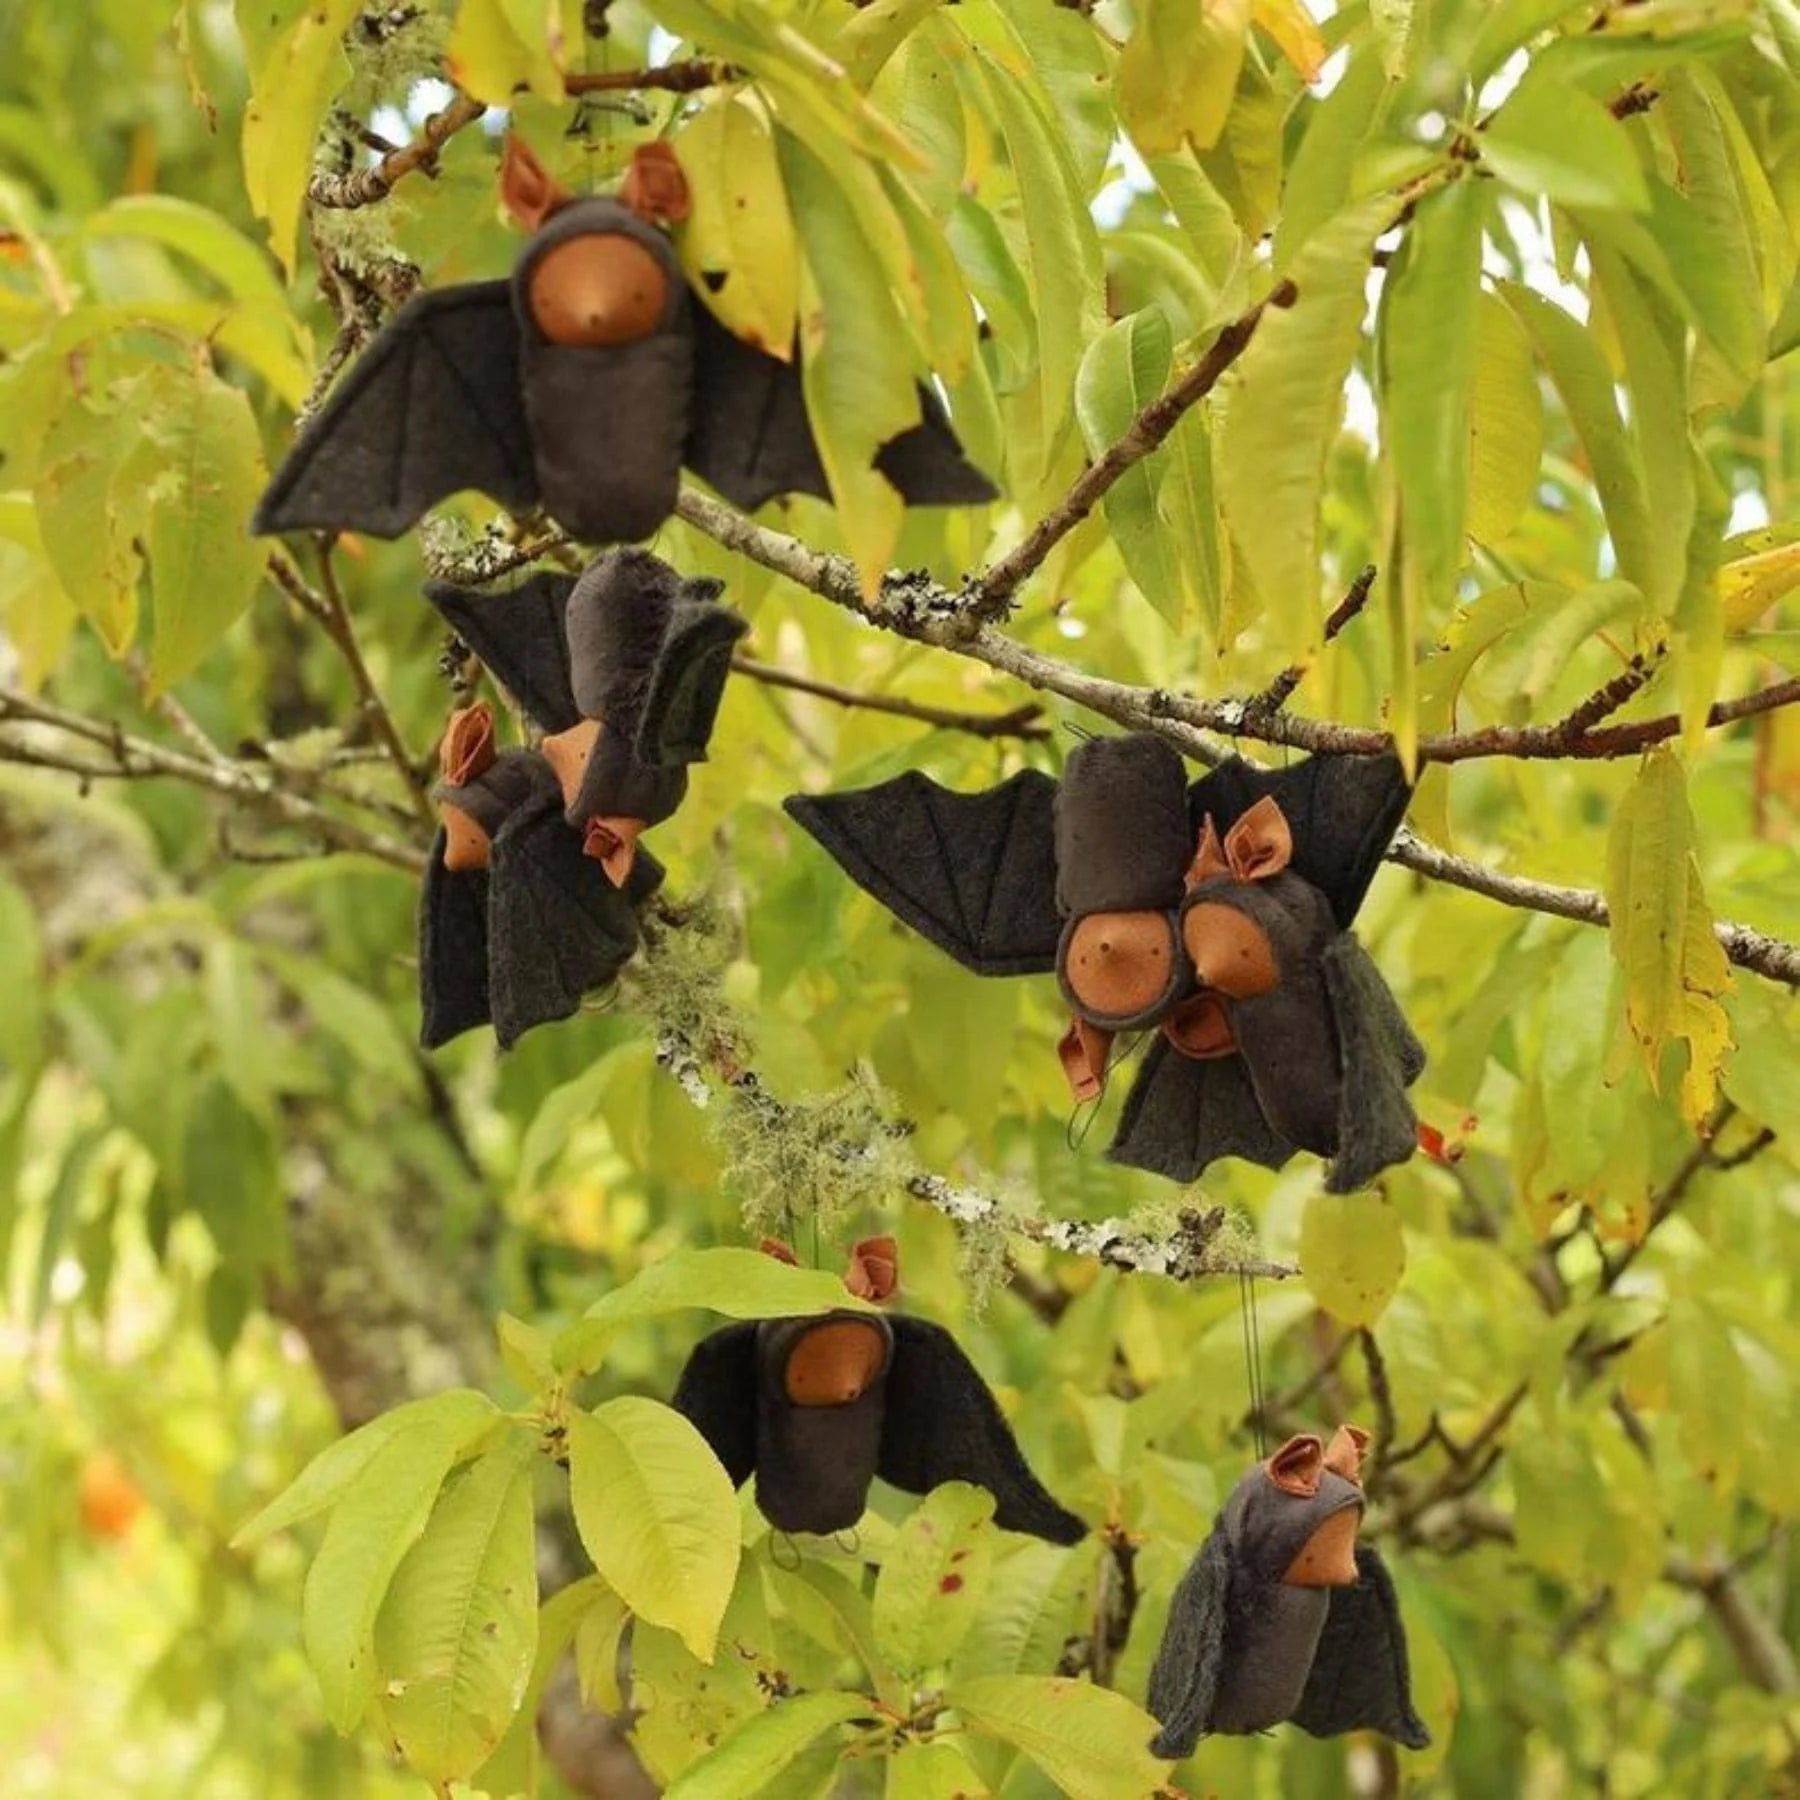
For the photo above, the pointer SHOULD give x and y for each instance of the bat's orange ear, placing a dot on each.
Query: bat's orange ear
(655, 187)
(1344, 1454)
(529, 192)
(1296, 1467)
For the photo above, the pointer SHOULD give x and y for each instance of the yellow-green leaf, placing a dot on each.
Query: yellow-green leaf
(762, 1747)
(1553, 140)
(658, 1515)
(499, 46)
(1088, 1740)
(457, 1631)
(934, 1577)
(932, 1770)
(1178, 71)
(1352, 1254)
(1506, 424)
(737, 244)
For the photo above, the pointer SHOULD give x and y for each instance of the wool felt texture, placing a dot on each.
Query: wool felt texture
(927, 1418)
(1244, 1649)
(521, 942)
(1319, 1061)
(461, 390)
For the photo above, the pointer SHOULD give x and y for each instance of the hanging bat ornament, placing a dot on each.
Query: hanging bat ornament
(582, 384)
(815, 1408)
(622, 670)
(1283, 1615)
(516, 925)
(1216, 914)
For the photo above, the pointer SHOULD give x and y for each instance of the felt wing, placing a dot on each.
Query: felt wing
(1360, 1679)
(1184, 1683)
(453, 950)
(1380, 1059)
(750, 437)
(431, 407)
(717, 1396)
(975, 873)
(519, 634)
(681, 703)
(1343, 812)
(941, 1424)
(1185, 1112)
(557, 928)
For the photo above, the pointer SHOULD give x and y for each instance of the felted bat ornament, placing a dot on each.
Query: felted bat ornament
(516, 924)
(582, 384)
(1216, 914)
(1284, 1616)
(817, 1407)
(622, 669)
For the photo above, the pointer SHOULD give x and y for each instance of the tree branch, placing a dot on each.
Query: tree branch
(913, 606)
(1021, 722)
(686, 77)
(363, 187)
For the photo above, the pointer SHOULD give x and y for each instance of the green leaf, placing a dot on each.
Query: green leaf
(21, 980)
(658, 1515)
(1286, 399)
(1506, 424)
(289, 88)
(875, 32)
(1178, 71)
(597, 1650)
(1352, 1254)
(737, 243)
(231, 1176)
(1318, 181)
(377, 1519)
(499, 46)
(1551, 139)
(457, 1631)
(1764, 1076)
(462, 1414)
(1126, 367)
(741, 1284)
(1662, 932)
(1088, 1740)
(935, 1576)
(351, 1015)
(762, 1748)
(931, 1770)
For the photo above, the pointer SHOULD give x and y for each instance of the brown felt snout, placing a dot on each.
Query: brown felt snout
(596, 290)
(1119, 963)
(466, 845)
(834, 1363)
(567, 752)
(1328, 1557)
(1230, 951)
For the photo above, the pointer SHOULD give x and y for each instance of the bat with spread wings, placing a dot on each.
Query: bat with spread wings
(816, 1407)
(1284, 1616)
(583, 384)
(1215, 913)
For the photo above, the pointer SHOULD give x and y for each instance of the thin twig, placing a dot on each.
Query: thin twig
(1279, 691)
(1020, 722)
(687, 77)
(363, 187)
(990, 594)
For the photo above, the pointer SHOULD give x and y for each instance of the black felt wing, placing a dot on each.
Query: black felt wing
(453, 950)
(681, 703)
(1184, 1683)
(1184, 1112)
(1343, 812)
(431, 407)
(519, 634)
(1360, 1679)
(717, 1396)
(942, 1424)
(975, 873)
(557, 928)
(1380, 1059)
(750, 437)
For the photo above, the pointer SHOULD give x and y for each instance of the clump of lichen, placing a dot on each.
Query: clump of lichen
(810, 1164)
(678, 984)
(983, 1256)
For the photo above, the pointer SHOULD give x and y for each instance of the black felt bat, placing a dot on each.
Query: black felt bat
(622, 669)
(1217, 913)
(516, 924)
(817, 1407)
(1284, 1616)
(583, 383)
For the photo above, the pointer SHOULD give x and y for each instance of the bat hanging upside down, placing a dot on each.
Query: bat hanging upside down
(582, 384)
(817, 1407)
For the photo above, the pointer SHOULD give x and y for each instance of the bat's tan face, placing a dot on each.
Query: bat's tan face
(1230, 951)
(596, 291)
(1120, 963)
(1328, 1558)
(466, 845)
(567, 752)
(834, 1363)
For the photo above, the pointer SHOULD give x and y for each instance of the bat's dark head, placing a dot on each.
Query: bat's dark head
(602, 274)
(834, 1358)
(1293, 1519)
(1121, 850)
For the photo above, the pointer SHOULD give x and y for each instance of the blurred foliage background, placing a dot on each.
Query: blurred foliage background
(1539, 372)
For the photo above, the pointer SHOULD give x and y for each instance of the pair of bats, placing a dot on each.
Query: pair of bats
(534, 883)
(1216, 914)
(816, 1407)
(582, 384)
